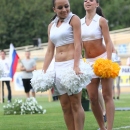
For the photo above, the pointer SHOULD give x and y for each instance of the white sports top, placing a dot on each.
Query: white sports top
(91, 31)
(63, 34)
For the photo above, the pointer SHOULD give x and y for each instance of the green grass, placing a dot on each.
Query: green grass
(53, 119)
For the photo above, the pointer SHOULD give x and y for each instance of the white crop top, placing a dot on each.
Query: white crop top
(63, 34)
(91, 31)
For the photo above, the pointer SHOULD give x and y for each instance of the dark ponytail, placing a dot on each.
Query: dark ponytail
(99, 11)
(53, 17)
(53, 4)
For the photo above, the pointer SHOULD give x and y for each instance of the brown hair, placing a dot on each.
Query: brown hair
(53, 4)
(99, 11)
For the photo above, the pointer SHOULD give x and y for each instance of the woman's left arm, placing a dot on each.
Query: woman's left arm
(75, 22)
(106, 35)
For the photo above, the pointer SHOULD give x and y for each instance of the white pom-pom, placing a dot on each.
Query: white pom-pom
(42, 81)
(73, 82)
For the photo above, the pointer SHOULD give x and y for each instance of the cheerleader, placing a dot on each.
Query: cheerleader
(94, 28)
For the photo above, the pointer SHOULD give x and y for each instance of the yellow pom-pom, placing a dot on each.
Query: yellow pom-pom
(84, 59)
(115, 70)
(106, 68)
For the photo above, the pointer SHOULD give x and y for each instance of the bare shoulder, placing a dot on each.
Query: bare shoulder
(75, 17)
(103, 21)
(75, 20)
(49, 27)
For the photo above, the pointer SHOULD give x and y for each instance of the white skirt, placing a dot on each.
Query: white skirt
(66, 81)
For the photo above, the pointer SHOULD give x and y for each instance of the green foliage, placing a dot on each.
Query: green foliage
(77, 7)
(84, 94)
(117, 13)
(23, 20)
(83, 53)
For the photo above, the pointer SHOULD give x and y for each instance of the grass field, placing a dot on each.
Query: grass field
(53, 119)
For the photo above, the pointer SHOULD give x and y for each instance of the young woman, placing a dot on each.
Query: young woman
(64, 36)
(94, 28)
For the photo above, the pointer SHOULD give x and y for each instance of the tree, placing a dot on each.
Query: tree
(117, 12)
(23, 20)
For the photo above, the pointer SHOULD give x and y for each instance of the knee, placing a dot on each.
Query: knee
(107, 97)
(75, 106)
(66, 107)
(93, 100)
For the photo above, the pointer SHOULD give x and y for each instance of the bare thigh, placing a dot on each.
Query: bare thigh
(65, 101)
(75, 99)
(92, 88)
(107, 84)
(72, 102)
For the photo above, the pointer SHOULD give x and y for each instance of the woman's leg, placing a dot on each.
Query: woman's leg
(67, 111)
(113, 88)
(92, 89)
(78, 112)
(101, 101)
(107, 95)
(118, 87)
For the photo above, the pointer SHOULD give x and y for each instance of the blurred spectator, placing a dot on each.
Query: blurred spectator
(116, 58)
(28, 65)
(6, 68)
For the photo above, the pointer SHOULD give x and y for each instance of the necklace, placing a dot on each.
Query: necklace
(61, 20)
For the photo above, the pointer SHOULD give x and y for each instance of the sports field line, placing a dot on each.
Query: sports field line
(123, 127)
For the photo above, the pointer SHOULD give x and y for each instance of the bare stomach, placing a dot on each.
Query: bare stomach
(64, 53)
(94, 48)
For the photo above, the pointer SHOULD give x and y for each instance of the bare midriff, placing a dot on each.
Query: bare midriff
(64, 53)
(94, 48)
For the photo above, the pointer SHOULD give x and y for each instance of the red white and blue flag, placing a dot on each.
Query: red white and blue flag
(13, 61)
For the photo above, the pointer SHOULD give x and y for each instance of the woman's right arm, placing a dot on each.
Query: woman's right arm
(50, 51)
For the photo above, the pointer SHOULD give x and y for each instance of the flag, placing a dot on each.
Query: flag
(13, 56)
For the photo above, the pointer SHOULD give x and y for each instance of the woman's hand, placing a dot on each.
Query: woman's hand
(43, 70)
(77, 70)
